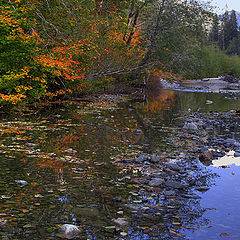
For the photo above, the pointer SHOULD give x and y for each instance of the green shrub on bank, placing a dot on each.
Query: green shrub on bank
(210, 61)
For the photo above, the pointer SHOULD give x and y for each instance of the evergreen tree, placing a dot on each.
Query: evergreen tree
(214, 34)
(223, 31)
(234, 46)
(231, 30)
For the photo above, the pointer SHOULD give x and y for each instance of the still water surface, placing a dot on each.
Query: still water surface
(67, 154)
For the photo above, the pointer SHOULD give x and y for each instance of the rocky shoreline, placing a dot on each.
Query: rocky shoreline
(174, 177)
(225, 84)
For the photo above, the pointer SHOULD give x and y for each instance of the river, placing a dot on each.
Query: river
(91, 164)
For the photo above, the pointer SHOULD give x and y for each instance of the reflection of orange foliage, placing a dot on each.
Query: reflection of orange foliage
(160, 100)
(12, 130)
(54, 164)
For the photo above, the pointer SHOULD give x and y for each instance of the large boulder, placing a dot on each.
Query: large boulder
(230, 79)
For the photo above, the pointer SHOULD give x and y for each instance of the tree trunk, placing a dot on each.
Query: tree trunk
(153, 41)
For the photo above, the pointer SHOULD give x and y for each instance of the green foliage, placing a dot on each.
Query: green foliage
(211, 61)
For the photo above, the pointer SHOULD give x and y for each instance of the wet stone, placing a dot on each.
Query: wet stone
(169, 193)
(120, 221)
(174, 184)
(192, 195)
(141, 158)
(80, 170)
(154, 159)
(173, 166)
(21, 183)
(202, 189)
(190, 126)
(68, 231)
(206, 156)
(156, 182)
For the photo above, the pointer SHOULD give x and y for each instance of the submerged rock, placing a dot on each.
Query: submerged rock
(169, 193)
(190, 126)
(120, 221)
(192, 195)
(87, 212)
(173, 184)
(206, 156)
(141, 158)
(21, 183)
(68, 231)
(173, 166)
(237, 154)
(156, 182)
(202, 189)
(154, 159)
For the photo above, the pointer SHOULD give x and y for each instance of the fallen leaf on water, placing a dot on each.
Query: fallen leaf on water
(38, 196)
(110, 229)
(27, 226)
(123, 234)
(187, 227)
(176, 223)
(225, 234)
(25, 211)
(178, 234)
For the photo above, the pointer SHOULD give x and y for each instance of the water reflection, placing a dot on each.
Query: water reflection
(227, 160)
(66, 155)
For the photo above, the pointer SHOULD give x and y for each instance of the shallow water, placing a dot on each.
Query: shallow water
(68, 155)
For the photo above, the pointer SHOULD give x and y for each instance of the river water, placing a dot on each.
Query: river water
(69, 158)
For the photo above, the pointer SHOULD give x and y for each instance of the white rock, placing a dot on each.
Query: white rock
(120, 221)
(21, 183)
(68, 231)
(190, 126)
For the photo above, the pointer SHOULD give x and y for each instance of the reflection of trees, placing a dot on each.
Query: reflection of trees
(85, 198)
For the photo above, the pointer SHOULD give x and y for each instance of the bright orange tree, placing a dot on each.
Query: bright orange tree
(50, 48)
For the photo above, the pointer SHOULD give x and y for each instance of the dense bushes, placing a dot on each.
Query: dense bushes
(210, 61)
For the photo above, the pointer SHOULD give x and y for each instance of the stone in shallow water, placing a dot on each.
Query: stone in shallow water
(141, 158)
(169, 193)
(154, 159)
(173, 184)
(192, 195)
(202, 189)
(190, 126)
(173, 166)
(206, 156)
(68, 231)
(120, 221)
(156, 182)
(21, 183)
(237, 154)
